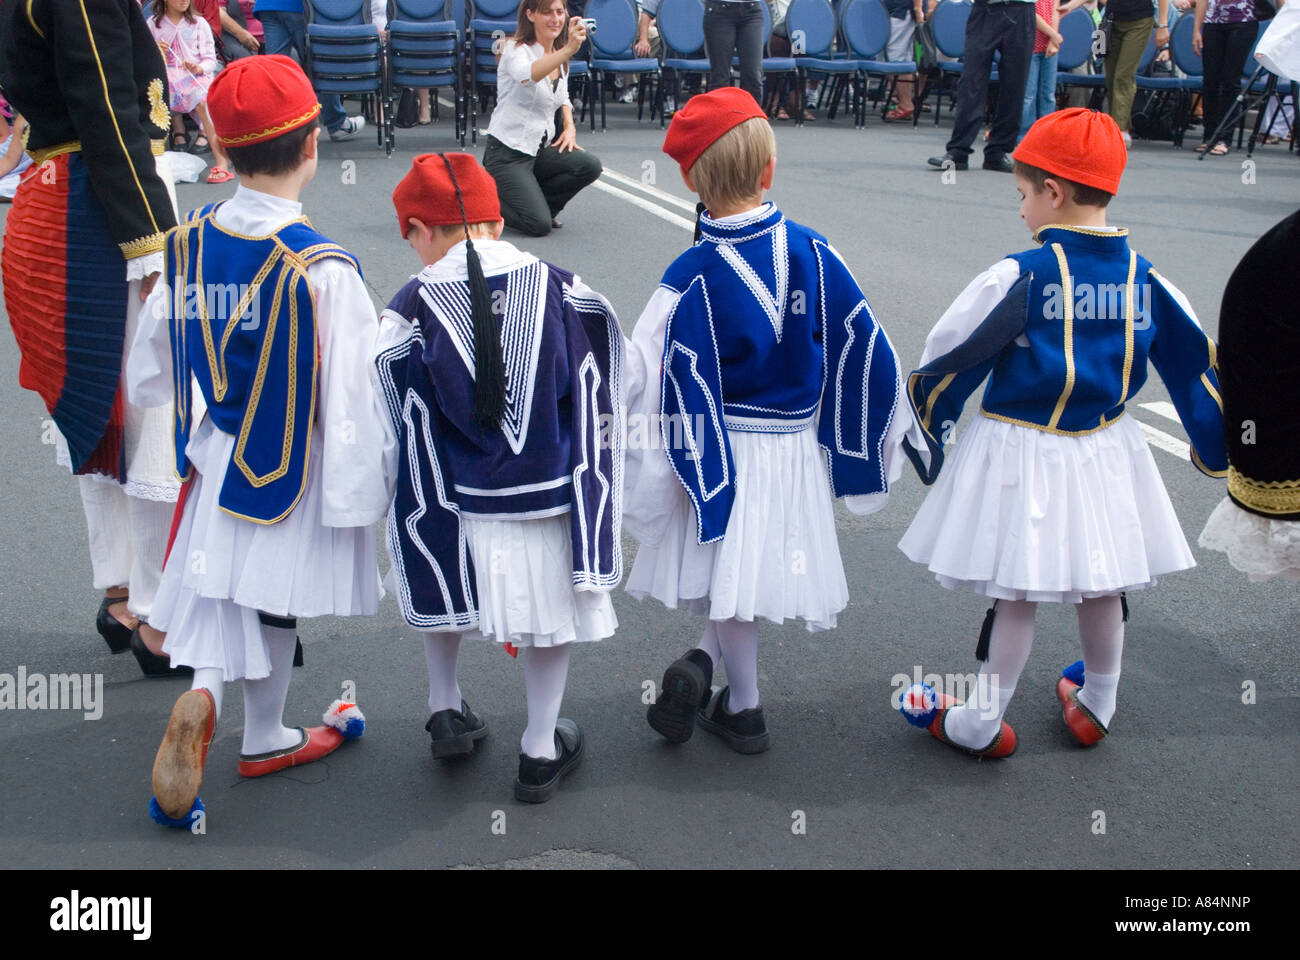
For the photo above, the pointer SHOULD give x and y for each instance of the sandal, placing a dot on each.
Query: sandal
(181, 142)
(897, 115)
(201, 145)
(1220, 149)
(1270, 140)
(219, 175)
(1202, 147)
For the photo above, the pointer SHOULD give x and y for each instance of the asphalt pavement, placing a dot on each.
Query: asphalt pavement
(1201, 766)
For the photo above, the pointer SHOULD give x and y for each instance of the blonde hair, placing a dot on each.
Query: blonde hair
(482, 228)
(728, 172)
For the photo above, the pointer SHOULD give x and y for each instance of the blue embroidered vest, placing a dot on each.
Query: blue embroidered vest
(1068, 345)
(771, 331)
(243, 327)
(558, 450)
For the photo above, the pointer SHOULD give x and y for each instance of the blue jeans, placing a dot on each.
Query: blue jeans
(280, 32)
(1040, 90)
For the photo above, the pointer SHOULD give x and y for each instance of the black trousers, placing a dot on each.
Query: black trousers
(1007, 28)
(1223, 54)
(534, 189)
(735, 27)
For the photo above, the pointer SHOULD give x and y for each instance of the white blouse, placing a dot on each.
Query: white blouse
(525, 111)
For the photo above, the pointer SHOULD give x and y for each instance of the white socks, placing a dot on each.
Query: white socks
(264, 729)
(440, 653)
(128, 537)
(546, 670)
(210, 679)
(977, 722)
(1101, 634)
(738, 640)
(709, 643)
(151, 524)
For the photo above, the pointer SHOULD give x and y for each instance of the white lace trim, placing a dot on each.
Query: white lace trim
(1257, 546)
(138, 268)
(146, 490)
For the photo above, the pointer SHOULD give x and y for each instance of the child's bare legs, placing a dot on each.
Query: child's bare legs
(219, 155)
(426, 107)
(264, 729)
(977, 722)
(1101, 634)
(546, 670)
(738, 640)
(441, 651)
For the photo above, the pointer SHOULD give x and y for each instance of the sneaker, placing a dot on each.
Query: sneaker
(1128, 138)
(454, 732)
(628, 95)
(348, 129)
(948, 161)
(538, 778)
(745, 732)
(684, 691)
(670, 106)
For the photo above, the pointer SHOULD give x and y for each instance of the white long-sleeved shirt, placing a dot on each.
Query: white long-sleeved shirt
(525, 110)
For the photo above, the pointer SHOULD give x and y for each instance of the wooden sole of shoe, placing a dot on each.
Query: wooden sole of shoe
(178, 767)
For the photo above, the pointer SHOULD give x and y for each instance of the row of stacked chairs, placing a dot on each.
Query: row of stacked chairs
(435, 44)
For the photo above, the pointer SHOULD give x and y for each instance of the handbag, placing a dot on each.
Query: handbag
(1102, 35)
(408, 109)
(929, 58)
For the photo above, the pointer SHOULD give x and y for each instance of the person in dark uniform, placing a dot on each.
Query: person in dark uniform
(83, 245)
(995, 26)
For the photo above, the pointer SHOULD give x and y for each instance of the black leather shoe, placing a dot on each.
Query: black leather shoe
(684, 691)
(1001, 163)
(115, 633)
(745, 732)
(454, 732)
(152, 664)
(537, 778)
(946, 161)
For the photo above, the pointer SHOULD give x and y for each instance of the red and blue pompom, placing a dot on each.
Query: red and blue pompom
(1074, 673)
(919, 705)
(183, 823)
(346, 718)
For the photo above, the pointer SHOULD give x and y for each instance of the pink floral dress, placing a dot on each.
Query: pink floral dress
(179, 42)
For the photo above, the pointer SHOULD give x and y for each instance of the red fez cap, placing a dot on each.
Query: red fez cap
(260, 98)
(428, 192)
(705, 118)
(1078, 144)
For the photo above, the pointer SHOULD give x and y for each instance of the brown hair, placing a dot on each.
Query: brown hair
(728, 172)
(525, 32)
(273, 157)
(160, 8)
(1083, 195)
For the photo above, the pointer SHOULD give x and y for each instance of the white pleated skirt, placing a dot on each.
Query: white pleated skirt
(1023, 514)
(523, 572)
(1261, 548)
(779, 560)
(222, 570)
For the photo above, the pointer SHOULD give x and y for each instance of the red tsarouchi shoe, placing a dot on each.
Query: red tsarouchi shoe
(1087, 729)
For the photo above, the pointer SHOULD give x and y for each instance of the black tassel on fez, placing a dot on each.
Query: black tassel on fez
(986, 631)
(699, 210)
(489, 371)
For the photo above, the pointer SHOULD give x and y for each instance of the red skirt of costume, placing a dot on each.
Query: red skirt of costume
(65, 292)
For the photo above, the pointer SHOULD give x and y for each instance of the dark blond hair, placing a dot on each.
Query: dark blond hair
(729, 171)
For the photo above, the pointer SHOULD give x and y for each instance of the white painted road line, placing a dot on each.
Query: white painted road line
(1162, 408)
(1163, 441)
(651, 190)
(646, 205)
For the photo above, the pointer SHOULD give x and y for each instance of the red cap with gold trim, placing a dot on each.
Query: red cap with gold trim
(256, 99)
